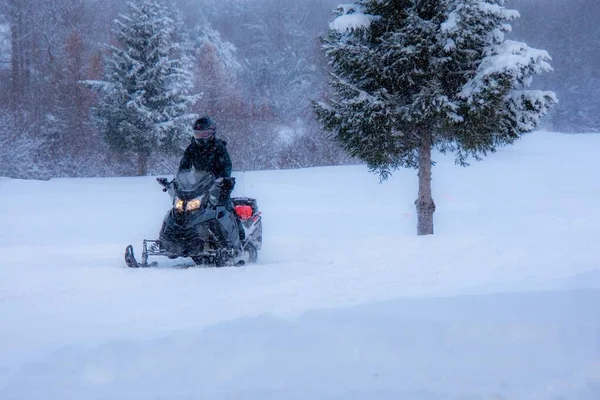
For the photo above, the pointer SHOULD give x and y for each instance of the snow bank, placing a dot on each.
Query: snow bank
(510, 346)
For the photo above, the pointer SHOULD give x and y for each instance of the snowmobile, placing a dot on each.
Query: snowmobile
(203, 225)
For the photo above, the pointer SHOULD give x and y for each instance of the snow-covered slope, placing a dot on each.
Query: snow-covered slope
(345, 302)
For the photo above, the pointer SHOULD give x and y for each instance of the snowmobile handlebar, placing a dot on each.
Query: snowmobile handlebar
(226, 183)
(164, 182)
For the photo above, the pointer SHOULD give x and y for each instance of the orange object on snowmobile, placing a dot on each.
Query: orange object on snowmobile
(243, 211)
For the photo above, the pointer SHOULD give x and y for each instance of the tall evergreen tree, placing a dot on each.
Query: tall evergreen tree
(413, 75)
(145, 89)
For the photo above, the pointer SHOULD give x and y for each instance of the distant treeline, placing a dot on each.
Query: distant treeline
(258, 65)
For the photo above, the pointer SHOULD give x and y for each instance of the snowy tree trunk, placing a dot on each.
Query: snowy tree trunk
(16, 54)
(424, 203)
(143, 163)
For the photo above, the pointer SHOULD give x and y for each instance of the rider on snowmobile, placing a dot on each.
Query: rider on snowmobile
(208, 153)
(207, 236)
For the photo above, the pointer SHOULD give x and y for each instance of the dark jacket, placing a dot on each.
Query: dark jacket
(211, 156)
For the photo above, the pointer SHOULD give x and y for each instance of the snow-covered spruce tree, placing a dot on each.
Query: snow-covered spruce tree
(145, 89)
(413, 75)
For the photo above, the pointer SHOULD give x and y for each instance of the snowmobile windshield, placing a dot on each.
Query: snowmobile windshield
(192, 183)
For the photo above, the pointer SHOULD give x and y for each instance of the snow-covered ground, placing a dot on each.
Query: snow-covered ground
(346, 302)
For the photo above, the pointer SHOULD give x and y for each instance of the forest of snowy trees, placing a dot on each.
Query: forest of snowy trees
(256, 65)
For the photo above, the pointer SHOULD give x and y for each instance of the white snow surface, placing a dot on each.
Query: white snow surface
(346, 302)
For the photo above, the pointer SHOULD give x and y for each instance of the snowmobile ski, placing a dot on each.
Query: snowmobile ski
(131, 261)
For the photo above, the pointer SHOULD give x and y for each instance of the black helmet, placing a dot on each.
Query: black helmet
(205, 124)
(204, 129)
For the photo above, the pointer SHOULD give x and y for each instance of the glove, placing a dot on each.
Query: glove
(164, 182)
(228, 184)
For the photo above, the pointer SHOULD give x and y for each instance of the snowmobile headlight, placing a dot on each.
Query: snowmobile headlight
(193, 204)
(179, 205)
